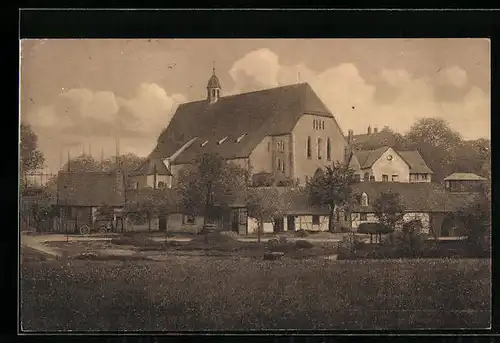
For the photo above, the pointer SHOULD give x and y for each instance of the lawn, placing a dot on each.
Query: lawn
(209, 293)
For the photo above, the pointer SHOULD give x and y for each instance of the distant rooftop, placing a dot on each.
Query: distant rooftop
(464, 177)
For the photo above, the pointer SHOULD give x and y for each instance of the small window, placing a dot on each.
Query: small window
(240, 138)
(319, 149)
(188, 219)
(372, 178)
(279, 165)
(309, 147)
(385, 178)
(204, 143)
(222, 140)
(346, 217)
(281, 146)
(357, 177)
(283, 166)
(363, 217)
(161, 184)
(314, 123)
(315, 220)
(328, 149)
(366, 176)
(395, 178)
(364, 199)
(268, 146)
(323, 125)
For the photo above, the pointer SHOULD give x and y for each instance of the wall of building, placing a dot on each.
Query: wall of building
(396, 166)
(417, 178)
(166, 179)
(261, 158)
(371, 218)
(175, 224)
(304, 166)
(305, 222)
(253, 225)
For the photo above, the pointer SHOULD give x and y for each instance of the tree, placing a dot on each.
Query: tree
(331, 188)
(264, 204)
(476, 216)
(149, 203)
(389, 210)
(30, 157)
(438, 144)
(210, 181)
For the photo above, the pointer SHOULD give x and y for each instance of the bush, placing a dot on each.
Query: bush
(302, 233)
(302, 244)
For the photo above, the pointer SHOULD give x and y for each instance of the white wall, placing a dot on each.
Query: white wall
(371, 218)
(253, 225)
(396, 166)
(306, 223)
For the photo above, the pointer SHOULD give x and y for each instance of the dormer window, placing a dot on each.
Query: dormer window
(204, 143)
(222, 140)
(240, 138)
(364, 199)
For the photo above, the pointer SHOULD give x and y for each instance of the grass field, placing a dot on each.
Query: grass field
(201, 293)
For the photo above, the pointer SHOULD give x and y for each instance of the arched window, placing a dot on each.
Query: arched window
(161, 184)
(328, 149)
(309, 147)
(364, 199)
(366, 176)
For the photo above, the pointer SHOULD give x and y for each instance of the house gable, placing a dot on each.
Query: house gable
(391, 164)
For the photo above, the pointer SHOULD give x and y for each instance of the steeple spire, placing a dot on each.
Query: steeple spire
(213, 87)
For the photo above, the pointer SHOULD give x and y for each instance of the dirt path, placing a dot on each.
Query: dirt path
(31, 242)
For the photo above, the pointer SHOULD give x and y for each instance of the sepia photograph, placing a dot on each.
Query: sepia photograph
(177, 185)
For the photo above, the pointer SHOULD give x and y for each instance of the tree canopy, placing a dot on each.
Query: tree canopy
(389, 210)
(442, 148)
(30, 157)
(331, 187)
(210, 182)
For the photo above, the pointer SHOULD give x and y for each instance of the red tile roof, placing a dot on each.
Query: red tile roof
(257, 114)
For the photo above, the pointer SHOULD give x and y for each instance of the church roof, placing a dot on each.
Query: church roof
(242, 119)
(150, 167)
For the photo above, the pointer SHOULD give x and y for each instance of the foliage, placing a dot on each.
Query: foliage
(303, 244)
(31, 158)
(389, 210)
(331, 187)
(263, 179)
(264, 205)
(442, 148)
(301, 233)
(211, 181)
(476, 217)
(147, 204)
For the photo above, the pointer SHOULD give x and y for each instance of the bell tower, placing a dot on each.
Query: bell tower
(213, 88)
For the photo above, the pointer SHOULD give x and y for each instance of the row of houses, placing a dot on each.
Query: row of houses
(285, 132)
(81, 194)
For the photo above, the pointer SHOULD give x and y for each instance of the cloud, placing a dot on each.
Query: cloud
(453, 76)
(81, 116)
(397, 98)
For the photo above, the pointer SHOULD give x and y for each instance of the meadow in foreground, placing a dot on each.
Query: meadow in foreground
(208, 293)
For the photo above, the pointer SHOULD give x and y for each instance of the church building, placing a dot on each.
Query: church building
(287, 132)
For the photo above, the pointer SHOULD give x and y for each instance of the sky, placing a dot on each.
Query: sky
(79, 94)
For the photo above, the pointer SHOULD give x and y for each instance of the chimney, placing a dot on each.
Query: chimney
(350, 135)
(375, 129)
(369, 129)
